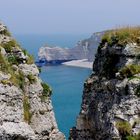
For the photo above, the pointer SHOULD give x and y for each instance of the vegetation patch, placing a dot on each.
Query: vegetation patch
(30, 59)
(12, 59)
(124, 128)
(8, 46)
(121, 36)
(5, 82)
(47, 92)
(130, 70)
(136, 137)
(4, 65)
(31, 78)
(26, 107)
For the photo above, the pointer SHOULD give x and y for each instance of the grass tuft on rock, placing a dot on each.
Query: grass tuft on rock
(26, 107)
(124, 128)
(130, 70)
(47, 92)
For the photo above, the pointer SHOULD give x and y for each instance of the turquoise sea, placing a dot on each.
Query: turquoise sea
(66, 82)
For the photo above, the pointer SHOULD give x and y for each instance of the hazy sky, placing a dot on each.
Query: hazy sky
(68, 16)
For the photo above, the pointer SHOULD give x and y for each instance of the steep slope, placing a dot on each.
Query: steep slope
(26, 112)
(110, 107)
(83, 50)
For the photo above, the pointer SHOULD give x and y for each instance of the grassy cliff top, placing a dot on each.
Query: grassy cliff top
(121, 36)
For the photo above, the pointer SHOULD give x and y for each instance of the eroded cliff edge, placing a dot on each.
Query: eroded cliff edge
(26, 111)
(110, 107)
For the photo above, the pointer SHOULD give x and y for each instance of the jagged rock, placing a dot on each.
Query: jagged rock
(20, 55)
(16, 131)
(2, 27)
(29, 69)
(4, 76)
(5, 39)
(110, 99)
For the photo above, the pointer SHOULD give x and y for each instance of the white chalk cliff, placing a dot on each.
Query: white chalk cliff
(84, 49)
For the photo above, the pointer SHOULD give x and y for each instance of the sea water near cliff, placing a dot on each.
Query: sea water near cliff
(66, 82)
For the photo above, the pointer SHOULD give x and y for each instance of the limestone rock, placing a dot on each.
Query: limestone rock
(110, 99)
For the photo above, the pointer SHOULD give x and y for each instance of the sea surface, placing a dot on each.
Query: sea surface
(66, 82)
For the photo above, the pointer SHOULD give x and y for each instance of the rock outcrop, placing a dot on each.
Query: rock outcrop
(84, 49)
(110, 107)
(26, 112)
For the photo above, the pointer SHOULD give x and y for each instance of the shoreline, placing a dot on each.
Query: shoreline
(79, 63)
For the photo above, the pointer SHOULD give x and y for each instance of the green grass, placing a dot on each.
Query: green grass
(26, 107)
(12, 59)
(4, 65)
(124, 128)
(47, 92)
(121, 36)
(9, 45)
(130, 70)
(17, 78)
(30, 59)
(136, 137)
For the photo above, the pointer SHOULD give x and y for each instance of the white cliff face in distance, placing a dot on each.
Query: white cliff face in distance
(84, 49)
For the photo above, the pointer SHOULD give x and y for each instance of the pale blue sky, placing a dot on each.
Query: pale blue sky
(68, 16)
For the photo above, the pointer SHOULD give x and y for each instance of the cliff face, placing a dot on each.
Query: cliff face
(26, 112)
(83, 50)
(110, 107)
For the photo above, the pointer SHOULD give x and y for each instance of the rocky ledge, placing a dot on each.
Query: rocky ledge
(26, 111)
(110, 107)
(84, 49)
